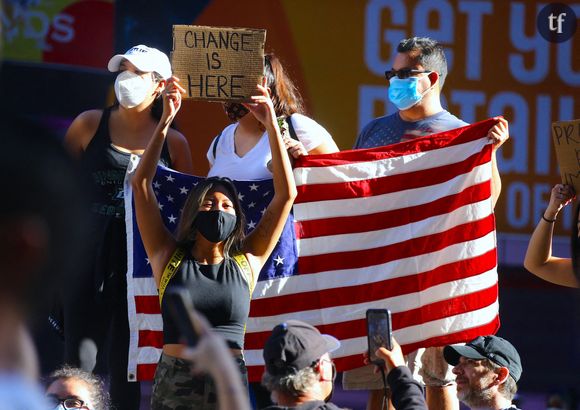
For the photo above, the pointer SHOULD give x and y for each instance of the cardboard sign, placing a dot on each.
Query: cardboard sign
(218, 63)
(566, 136)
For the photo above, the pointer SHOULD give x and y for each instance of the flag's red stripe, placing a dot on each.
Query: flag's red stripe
(367, 292)
(390, 183)
(421, 144)
(434, 311)
(146, 371)
(404, 249)
(356, 360)
(393, 218)
(150, 338)
(147, 304)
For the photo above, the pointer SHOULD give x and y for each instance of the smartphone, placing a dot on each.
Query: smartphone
(180, 304)
(379, 332)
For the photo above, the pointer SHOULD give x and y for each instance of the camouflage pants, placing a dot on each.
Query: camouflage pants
(176, 389)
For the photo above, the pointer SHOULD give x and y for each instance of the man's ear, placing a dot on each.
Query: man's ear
(433, 77)
(502, 374)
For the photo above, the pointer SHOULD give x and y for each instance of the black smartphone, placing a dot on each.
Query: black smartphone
(379, 332)
(180, 304)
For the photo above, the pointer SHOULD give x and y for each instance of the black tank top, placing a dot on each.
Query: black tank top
(106, 166)
(219, 292)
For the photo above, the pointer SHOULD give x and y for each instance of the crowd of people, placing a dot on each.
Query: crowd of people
(211, 254)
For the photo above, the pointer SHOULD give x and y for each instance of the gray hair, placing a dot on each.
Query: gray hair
(99, 396)
(430, 55)
(295, 384)
(508, 388)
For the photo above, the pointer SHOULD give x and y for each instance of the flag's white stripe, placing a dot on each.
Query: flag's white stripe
(358, 171)
(390, 201)
(145, 286)
(150, 321)
(134, 325)
(397, 268)
(411, 334)
(374, 239)
(148, 355)
(401, 303)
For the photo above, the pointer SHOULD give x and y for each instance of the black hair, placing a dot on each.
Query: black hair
(99, 397)
(430, 55)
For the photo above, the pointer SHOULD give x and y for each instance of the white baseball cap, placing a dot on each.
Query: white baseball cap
(145, 58)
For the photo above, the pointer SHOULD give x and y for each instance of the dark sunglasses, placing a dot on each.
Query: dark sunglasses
(68, 403)
(403, 73)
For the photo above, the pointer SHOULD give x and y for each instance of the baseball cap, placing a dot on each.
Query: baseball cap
(494, 348)
(145, 58)
(295, 345)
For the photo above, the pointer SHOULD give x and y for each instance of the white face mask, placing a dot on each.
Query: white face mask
(132, 89)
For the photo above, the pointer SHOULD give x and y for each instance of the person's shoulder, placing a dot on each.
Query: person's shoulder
(176, 138)
(89, 118)
(451, 119)
(82, 130)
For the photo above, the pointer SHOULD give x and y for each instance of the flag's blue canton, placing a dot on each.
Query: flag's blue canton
(172, 189)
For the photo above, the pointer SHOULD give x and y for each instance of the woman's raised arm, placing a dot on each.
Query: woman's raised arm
(159, 243)
(260, 243)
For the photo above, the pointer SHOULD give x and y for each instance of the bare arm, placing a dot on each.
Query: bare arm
(499, 134)
(260, 243)
(81, 132)
(539, 259)
(157, 240)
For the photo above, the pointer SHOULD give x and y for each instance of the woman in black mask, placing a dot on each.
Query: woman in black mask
(214, 259)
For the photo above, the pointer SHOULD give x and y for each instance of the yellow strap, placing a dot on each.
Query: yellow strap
(169, 271)
(244, 264)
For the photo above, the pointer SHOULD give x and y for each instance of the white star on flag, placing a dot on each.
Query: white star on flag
(172, 219)
(157, 185)
(240, 197)
(161, 206)
(169, 198)
(253, 187)
(251, 204)
(251, 225)
(183, 190)
(170, 178)
(279, 260)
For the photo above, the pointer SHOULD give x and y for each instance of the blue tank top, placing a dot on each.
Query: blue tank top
(220, 292)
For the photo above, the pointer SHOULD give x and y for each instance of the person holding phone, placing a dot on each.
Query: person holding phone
(214, 258)
(406, 392)
(539, 259)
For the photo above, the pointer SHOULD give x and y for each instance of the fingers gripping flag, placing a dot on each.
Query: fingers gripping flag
(409, 227)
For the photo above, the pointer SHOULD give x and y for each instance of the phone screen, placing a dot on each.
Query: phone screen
(378, 332)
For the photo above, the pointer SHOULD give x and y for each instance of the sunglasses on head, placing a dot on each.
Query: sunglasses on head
(403, 73)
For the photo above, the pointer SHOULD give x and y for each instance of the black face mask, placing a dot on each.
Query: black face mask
(235, 111)
(215, 226)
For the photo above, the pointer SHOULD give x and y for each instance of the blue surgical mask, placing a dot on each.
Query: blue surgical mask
(403, 92)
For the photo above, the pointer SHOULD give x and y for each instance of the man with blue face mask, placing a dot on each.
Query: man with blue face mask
(415, 82)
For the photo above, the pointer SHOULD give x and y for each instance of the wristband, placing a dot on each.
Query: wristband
(550, 221)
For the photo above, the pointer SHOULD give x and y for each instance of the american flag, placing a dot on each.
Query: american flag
(408, 227)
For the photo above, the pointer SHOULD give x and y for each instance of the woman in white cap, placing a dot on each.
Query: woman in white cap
(95, 306)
